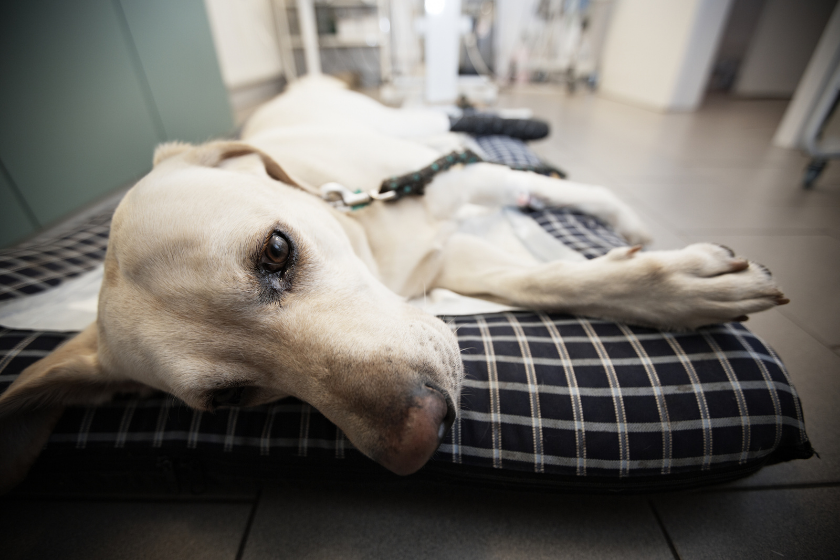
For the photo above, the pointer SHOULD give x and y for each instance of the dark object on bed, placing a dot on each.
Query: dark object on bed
(482, 124)
(549, 401)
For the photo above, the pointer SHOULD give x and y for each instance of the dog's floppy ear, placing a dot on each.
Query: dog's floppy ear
(214, 153)
(169, 149)
(31, 406)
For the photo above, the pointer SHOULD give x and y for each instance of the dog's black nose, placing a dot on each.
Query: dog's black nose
(427, 421)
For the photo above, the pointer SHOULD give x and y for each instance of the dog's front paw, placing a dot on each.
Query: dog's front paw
(700, 285)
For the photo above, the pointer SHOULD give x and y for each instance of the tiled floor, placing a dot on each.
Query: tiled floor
(711, 175)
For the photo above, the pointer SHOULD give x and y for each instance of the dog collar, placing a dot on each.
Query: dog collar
(395, 188)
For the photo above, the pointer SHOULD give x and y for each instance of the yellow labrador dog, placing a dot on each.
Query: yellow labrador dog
(229, 281)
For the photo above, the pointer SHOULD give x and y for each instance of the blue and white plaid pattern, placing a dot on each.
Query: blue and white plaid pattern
(507, 151)
(543, 393)
(46, 261)
(581, 232)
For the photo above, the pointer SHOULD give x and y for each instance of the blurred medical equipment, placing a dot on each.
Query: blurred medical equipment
(822, 133)
(437, 51)
(563, 43)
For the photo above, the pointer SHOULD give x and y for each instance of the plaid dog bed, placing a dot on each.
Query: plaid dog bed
(549, 400)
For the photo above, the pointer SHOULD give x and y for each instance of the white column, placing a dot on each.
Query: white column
(309, 36)
(442, 48)
(659, 53)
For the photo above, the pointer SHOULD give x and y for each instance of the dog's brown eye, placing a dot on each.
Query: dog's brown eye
(276, 254)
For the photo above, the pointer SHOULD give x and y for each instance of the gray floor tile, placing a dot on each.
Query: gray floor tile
(120, 530)
(800, 523)
(440, 522)
(698, 205)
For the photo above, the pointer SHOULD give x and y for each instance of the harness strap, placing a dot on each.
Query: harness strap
(415, 182)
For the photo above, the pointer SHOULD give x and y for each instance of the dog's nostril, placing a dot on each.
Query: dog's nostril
(446, 425)
(449, 418)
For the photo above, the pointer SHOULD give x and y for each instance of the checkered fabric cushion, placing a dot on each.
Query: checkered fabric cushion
(548, 400)
(567, 398)
(46, 261)
(508, 151)
(583, 233)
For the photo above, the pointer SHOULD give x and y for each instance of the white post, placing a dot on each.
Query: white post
(384, 14)
(284, 39)
(442, 49)
(309, 36)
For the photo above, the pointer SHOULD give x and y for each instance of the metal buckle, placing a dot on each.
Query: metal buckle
(387, 195)
(341, 197)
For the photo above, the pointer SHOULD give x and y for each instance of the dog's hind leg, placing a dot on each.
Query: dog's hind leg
(699, 285)
(489, 184)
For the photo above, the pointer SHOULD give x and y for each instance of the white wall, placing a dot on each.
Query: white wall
(245, 39)
(659, 53)
(784, 40)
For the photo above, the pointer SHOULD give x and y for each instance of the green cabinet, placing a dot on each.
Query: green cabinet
(175, 47)
(88, 88)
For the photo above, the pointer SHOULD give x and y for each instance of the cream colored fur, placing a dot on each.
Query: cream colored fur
(183, 308)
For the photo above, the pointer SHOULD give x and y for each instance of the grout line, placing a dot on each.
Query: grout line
(241, 551)
(665, 534)
(801, 486)
(760, 232)
(30, 214)
(140, 71)
(131, 499)
(792, 318)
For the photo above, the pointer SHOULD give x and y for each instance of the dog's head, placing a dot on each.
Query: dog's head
(227, 286)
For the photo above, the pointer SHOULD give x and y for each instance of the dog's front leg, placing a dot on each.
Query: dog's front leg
(699, 285)
(489, 184)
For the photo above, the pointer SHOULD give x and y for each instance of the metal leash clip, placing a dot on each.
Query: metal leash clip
(340, 196)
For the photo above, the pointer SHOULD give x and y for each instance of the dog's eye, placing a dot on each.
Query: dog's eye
(275, 255)
(231, 396)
